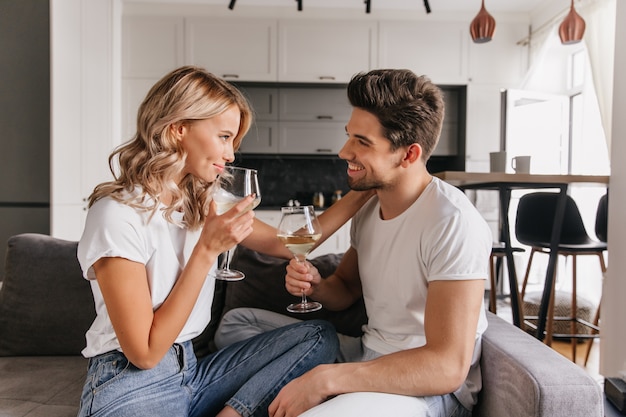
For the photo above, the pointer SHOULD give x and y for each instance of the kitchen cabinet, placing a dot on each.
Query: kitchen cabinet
(152, 46)
(308, 121)
(502, 61)
(339, 242)
(261, 138)
(435, 49)
(234, 49)
(326, 51)
(314, 104)
(311, 138)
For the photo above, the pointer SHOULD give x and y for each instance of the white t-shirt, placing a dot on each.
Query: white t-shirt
(441, 236)
(114, 229)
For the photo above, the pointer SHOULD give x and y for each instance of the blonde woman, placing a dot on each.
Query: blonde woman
(152, 236)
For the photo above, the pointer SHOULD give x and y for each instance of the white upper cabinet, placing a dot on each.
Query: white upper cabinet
(152, 46)
(435, 49)
(235, 49)
(502, 60)
(326, 51)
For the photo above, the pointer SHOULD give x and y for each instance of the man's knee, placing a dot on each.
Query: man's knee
(243, 323)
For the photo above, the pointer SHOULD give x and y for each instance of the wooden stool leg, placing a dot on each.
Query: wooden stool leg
(596, 319)
(527, 274)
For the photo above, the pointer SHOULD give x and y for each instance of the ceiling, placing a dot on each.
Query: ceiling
(493, 6)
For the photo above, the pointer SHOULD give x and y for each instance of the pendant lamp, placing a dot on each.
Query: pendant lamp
(573, 27)
(483, 26)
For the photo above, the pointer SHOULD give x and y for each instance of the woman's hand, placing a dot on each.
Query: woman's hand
(301, 276)
(221, 232)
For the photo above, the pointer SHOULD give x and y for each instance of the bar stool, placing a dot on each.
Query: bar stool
(533, 227)
(495, 268)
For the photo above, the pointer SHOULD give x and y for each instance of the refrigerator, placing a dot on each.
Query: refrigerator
(24, 119)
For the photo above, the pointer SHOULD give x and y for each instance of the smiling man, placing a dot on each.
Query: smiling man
(418, 256)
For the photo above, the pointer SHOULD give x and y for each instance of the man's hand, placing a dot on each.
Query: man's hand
(301, 394)
(301, 276)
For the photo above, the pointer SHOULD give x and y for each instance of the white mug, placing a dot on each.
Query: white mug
(521, 164)
(497, 161)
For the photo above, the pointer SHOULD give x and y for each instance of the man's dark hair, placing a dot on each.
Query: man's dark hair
(410, 108)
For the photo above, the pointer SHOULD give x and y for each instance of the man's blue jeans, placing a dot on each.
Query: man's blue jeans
(246, 375)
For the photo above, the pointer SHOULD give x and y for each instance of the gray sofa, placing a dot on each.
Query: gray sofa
(45, 308)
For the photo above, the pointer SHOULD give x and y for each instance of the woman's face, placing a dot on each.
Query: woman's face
(209, 143)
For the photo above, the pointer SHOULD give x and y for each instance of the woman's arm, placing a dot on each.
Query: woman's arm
(145, 334)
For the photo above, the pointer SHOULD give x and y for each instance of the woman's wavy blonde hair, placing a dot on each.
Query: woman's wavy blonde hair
(153, 160)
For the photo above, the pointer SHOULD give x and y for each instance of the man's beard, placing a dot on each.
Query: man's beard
(365, 185)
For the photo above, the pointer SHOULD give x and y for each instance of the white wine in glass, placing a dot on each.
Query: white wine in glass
(299, 229)
(234, 184)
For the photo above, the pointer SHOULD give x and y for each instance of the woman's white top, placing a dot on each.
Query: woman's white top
(114, 229)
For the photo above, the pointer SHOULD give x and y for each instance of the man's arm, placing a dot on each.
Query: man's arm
(439, 367)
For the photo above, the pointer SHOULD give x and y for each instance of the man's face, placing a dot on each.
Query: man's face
(372, 165)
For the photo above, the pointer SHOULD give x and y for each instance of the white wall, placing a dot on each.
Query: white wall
(613, 326)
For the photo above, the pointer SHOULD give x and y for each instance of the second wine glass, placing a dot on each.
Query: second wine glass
(234, 184)
(299, 229)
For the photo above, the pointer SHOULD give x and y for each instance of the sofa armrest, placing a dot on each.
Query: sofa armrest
(524, 377)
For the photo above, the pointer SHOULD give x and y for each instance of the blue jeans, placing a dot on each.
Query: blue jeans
(246, 375)
(242, 323)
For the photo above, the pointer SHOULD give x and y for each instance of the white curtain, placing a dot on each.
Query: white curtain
(599, 37)
(599, 40)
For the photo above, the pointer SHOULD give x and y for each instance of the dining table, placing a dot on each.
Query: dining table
(504, 184)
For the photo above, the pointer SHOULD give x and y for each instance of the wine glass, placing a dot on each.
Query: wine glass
(234, 184)
(299, 229)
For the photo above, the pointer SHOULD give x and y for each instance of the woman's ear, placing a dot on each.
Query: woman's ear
(178, 130)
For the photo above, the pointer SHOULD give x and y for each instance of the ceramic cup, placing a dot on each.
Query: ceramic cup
(497, 161)
(521, 164)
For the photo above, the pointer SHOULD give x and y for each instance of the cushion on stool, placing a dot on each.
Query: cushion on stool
(585, 310)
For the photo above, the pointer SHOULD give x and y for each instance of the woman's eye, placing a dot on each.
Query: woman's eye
(225, 138)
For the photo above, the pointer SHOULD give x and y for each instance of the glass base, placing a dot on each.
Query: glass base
(307, 307)
(229, 275)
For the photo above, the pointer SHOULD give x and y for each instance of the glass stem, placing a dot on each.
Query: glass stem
(227, 260)
(302, 260)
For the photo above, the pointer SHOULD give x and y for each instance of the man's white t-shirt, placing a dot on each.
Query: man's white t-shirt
(114, 229)
(441, 236)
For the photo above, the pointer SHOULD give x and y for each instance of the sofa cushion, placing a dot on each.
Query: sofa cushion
(264, 287)
(46, 305)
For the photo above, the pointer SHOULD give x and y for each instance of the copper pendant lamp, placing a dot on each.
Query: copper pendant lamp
(483, 26)
(573, 27)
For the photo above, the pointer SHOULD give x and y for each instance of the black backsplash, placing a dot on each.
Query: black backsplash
(297, 177)
(283, 178)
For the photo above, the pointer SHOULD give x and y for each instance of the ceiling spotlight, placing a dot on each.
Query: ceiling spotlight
(483, 26)
(427, 6)
(231, 6)
(573, 27)
(367, 6)
(299, 5)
